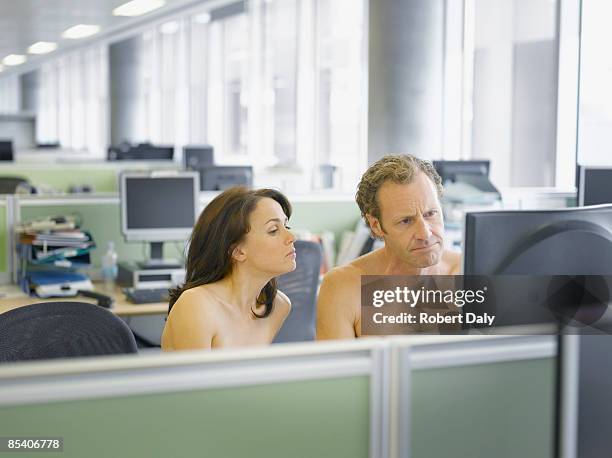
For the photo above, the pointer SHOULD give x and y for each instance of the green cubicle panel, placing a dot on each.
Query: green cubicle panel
(101, 217)
(480, 398)
(501, 410)
(297, 419)
(101, 176)
(336, 216)
(301, 400)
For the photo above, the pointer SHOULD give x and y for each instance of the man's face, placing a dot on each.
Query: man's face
(411, 221)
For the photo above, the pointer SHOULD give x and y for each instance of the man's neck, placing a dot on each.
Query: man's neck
(396, 266)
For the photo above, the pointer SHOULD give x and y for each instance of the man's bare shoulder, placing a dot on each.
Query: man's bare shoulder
(369, 264)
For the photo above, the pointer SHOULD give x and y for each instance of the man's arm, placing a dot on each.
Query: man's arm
(338, 304)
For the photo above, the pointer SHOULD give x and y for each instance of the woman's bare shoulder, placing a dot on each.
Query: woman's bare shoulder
(195, 302)
(282, 303)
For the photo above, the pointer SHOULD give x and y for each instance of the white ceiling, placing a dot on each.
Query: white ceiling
(24, 22)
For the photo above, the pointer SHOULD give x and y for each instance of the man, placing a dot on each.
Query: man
(399, 198)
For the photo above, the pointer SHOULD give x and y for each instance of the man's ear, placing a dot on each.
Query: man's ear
(375, 226)
(238, 253)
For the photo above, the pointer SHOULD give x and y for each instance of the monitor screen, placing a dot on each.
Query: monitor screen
(197, 156)
(569, 241)
(572, 241)
(219, 178)
(158, 206)
(594, 185)
(6, 150)
(448, 170)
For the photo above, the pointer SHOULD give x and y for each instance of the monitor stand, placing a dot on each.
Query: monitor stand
(157, 261)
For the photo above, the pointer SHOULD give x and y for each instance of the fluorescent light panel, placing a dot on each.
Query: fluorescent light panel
(138, 7)
(14, 59)
(202, 18)
(169, 28)
(42, 47)
(81, 31)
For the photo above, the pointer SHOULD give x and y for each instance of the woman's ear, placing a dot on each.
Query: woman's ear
(238, 253)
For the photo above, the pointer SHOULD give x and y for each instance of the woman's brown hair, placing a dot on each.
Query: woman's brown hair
(221, 226)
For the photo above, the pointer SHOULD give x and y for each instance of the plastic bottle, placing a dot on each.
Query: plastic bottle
(109, 268)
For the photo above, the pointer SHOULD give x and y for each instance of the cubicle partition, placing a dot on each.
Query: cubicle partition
(290, 400)
(476, 396)
(418, 396)
(5, 242)
(100, 214)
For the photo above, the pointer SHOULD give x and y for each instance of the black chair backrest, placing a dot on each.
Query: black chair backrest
(301, 288)
(62, 329)
(8, 185)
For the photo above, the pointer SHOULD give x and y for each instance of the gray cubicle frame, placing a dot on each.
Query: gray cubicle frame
(115, 376)
(7, 201)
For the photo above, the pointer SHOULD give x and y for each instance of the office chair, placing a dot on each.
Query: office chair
(8, 184)
(62, 329)
(301, 288)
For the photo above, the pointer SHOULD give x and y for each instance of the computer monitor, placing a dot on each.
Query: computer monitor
(219, 178)
(158, 206)
(195, 157)
(594, 185)
(6, 150)
(141, 152)
(570, 241)
(574, 241)
(448, 170)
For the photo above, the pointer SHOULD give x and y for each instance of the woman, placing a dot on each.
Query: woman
(239, 244)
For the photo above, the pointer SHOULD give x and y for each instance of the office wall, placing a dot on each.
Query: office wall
(319, 418)
(19, 128)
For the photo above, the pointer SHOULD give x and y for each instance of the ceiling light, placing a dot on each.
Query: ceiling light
(137, 7)
(81, 31)
(169, 27)
(42, 47)
(14, 59)
(203, 18)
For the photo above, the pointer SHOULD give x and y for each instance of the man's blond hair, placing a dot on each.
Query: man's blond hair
(398, 168)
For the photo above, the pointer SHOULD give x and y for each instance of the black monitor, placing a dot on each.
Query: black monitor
(569, 241)
(574, 241)
(594, 185)
(195, 157)
(221, 177)
(158, 206)
(6, 150)
(141, 152)
(448, 170)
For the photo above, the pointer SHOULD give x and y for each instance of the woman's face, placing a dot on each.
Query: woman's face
(268, 246)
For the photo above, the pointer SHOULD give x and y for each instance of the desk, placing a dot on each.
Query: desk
(12, 297)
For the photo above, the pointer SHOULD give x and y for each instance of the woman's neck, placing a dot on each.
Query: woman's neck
(243, 288)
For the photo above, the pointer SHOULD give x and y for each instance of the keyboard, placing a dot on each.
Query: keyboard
(146, 296)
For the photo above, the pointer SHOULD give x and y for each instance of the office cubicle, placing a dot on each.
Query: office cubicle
(99, 213)
(417, 396)
(290, 400)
